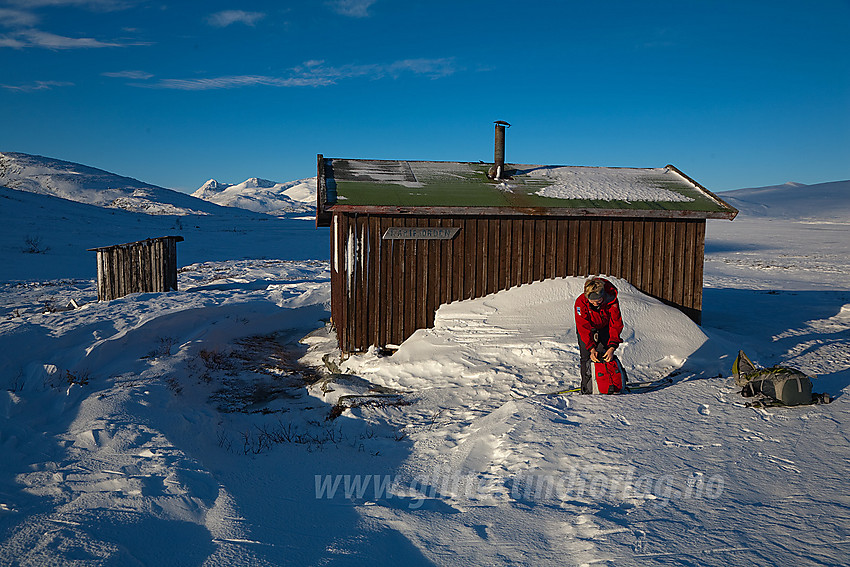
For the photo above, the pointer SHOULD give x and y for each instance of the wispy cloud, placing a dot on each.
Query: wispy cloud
(21, 21)
(37, 86)
(316, 74)
(6, 41)
(227, 17)
(136, 75)
(38, 38)
(352, 8)
(100, 5)
(17, 18)
(433, 68)
(237, 81)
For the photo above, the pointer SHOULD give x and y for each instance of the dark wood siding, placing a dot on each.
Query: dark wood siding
(143, 266)
(384, 290)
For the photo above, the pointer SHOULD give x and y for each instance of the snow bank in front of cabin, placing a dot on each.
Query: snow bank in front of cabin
(525, 338)
(603, 184)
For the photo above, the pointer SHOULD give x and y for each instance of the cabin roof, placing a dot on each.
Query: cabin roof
(429, 187)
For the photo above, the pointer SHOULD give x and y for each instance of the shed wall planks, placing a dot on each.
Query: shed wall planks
(384, 290)
(143, 266)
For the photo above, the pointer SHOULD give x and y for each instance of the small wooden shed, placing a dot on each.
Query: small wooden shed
(409, 236)
(143, 266)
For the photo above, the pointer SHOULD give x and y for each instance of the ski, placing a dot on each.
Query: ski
(636, 387)
(650, 383)
(647, 386)
(559, 392)
(630, 387)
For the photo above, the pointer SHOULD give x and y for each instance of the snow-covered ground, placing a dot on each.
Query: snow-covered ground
(193, 428)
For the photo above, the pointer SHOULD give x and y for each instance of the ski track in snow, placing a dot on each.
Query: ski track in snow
(132, 431)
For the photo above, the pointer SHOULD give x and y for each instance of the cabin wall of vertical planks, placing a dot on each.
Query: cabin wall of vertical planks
(143, 266)
(384, 290)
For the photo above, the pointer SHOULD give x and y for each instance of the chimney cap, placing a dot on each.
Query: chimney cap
(502, 122)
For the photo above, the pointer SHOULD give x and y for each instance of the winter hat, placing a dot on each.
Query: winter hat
(594, 289)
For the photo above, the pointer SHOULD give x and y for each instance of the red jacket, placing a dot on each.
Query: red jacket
(607, 315)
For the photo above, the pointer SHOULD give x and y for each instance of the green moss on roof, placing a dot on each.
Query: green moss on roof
(385, 183)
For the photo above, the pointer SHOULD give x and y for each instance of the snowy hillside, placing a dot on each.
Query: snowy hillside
(193, 428)
(796, 233)
(45, 237)
(818, 203)
(75, 182)
(262, 196)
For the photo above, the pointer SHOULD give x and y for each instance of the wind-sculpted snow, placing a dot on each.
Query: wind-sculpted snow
(194, 428)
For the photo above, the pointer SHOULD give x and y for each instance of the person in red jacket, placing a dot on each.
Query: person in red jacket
(598, 324)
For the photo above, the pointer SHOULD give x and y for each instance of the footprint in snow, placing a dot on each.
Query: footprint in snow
(621, 418)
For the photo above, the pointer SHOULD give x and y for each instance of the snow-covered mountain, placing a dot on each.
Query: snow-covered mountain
(76, 182)
(821, 202)
(262, 195)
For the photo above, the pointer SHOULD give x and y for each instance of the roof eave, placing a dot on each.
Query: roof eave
(732, 211)
(531, 211)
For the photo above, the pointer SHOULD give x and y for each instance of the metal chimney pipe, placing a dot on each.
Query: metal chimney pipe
(498, 169)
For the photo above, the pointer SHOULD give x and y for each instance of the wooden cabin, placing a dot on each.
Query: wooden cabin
(409, 236)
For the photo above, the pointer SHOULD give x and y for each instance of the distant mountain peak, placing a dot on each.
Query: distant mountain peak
(262, 195)
(257, 183)
(213, 185)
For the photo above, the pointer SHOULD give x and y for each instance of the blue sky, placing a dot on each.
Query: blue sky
(736, 94)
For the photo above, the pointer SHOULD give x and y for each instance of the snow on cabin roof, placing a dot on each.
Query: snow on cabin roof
(427, 187)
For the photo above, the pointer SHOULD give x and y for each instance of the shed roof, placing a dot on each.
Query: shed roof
(428, 187)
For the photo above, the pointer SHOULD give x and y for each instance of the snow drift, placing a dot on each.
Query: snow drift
(505, 339)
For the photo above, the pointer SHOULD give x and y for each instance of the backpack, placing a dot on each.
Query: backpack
(779, 385)
(608, 377)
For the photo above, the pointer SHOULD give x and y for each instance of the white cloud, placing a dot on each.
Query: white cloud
(315, 74)
(352, 8)
(38, 38)
(6, 41)
(227, 17)
(435, 68)
(17, 18)
(23, 33)
(237, 81)
(37, 86)
(103, 5)
(137, 75)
